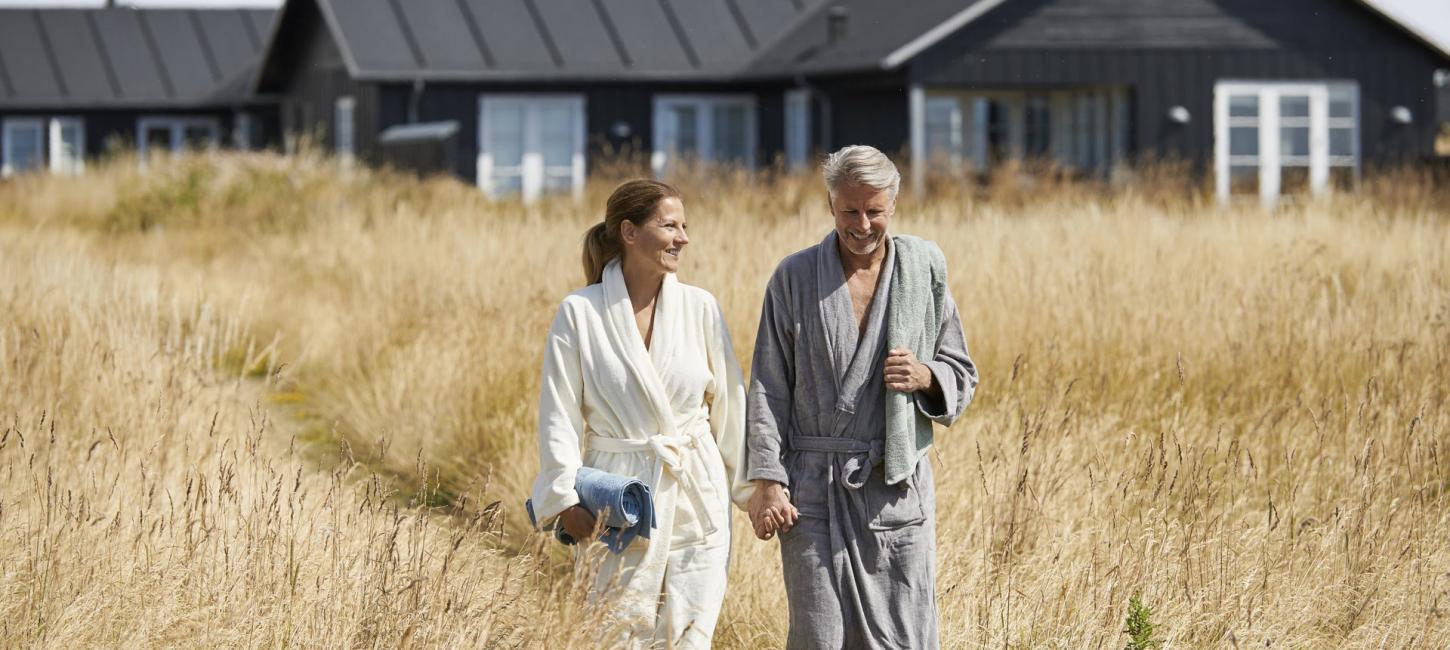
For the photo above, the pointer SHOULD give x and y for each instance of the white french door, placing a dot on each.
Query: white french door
(716, 129)
(531, 145)
(1278, 138)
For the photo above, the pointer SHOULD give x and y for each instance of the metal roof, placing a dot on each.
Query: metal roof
(898, 34)
(547, 40)
(124, 57)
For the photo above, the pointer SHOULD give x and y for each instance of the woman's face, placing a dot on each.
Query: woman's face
(656, 244)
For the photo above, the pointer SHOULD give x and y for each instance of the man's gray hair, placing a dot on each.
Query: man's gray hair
(860, 164)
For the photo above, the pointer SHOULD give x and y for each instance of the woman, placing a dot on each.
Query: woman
(640, 379)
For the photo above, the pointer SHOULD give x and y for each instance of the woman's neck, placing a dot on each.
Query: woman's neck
(643, 284)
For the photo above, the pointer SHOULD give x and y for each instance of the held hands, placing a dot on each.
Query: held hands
(904, 373)
(770, 509)
(578, 523)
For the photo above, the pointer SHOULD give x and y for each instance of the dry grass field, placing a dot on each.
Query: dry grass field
(255, 402)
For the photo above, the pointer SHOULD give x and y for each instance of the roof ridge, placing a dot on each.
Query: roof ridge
(549, 43)
(471, 21)
(613, 32)
(408, 36)
(155, 50)
(679, 30)
(206, 52)
(111, 77)
(50, 58)
(806, 13)
(739, 16)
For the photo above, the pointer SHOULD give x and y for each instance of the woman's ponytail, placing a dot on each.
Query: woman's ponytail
(599, 248)
(634, 201)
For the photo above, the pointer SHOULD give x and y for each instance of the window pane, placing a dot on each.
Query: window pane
(197, 137)
(1294, 141)
(1244, 178)
(686, 132)
(342, 126)
(1341, 104)
(556, 135)
(506, 184)
(1341, 142)
(158, 138)
(1038, 121)
(1294, 106)
(1243, 106)
(558, 182)
(505, 138)
(1342, 178)
(730, 138)
(943, 135)
(1243, 141)
(1294, 180)
(22, 148)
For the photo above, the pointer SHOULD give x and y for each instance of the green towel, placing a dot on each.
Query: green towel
(913, 319)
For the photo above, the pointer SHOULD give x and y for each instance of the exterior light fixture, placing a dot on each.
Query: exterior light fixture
(1401, 115)
(1179, 115)
(621, 129)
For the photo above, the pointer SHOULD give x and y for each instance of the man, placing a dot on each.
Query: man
(859, 349)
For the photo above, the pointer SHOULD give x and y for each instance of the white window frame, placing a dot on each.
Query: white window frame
(10, 127)
(533, 158)
(242, 131)
(704, 105)
(60, 163)
(1270, 160)
(344, 127)
(177, 126)
(798, 129)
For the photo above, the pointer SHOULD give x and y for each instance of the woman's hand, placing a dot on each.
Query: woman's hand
(578, 523)
(770, 509)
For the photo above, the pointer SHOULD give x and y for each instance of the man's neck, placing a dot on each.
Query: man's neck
(852, 263)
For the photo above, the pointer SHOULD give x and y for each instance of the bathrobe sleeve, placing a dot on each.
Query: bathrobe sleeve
(772, 382)
(727, 404)
(952, 368)
(561, 419)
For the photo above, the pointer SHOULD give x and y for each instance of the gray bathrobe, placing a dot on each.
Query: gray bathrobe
(860, 565)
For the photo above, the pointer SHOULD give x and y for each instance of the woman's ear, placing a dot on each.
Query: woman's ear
(627, 231)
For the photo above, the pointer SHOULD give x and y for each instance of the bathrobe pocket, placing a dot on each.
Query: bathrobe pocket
(892, 506)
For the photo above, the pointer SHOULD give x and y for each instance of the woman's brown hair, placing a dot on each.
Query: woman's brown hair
(634, 201)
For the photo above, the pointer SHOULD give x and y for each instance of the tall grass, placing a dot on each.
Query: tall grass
(293, 403)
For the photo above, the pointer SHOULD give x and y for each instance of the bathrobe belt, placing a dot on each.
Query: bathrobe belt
(669, 453)
(863, 456)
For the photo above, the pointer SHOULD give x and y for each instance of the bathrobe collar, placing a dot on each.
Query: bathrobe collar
(624, 333)
(851, 361)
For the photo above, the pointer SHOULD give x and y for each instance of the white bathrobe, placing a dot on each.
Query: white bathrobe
(671, 415)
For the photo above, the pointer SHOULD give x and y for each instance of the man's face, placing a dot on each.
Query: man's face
(862, 214)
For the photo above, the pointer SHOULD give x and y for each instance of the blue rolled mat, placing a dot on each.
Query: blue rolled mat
(631, 509)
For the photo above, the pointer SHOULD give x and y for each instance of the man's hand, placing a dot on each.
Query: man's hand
(578, 523)
(770, 509)
(905, 374)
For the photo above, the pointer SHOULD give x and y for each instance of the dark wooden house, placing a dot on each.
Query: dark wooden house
(1274, 97)
(519, 96)
(75, 81)
(535, 88)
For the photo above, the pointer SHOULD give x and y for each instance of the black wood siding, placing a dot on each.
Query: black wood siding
(1171, 52)
(308, 75)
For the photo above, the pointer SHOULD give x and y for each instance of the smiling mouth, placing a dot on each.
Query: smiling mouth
(860, 237)
(673, 252)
